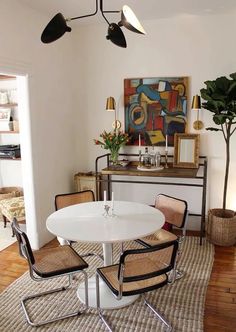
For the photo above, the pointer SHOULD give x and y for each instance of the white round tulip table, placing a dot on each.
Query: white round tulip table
(105, 223)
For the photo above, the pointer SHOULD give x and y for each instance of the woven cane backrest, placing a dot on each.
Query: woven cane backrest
(23, 243)
(149, 262)
(174, 209)
(64, 200)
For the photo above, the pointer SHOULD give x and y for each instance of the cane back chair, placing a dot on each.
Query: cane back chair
(139, 271)
(175, 211)
(47, 264)
(64, 200)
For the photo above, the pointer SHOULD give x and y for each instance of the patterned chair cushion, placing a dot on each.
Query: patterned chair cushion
(13, 207)
(9, 192)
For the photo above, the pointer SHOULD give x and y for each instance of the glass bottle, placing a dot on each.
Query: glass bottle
(146, 160)
(158, 159)
(153, 157)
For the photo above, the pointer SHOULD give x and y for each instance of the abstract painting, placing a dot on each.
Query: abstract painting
(155, 108)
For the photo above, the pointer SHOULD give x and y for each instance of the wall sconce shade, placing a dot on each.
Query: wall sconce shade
(115, 35)
(196, 105)
(111, 107)
(130, 21)
(55, 29)
(57, 26)
(111, 104)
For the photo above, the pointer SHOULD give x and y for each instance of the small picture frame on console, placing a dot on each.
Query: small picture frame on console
(186, 150)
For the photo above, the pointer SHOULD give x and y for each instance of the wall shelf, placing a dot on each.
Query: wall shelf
(8, 105)
(7, 77)
(16, 159)
(9, 132)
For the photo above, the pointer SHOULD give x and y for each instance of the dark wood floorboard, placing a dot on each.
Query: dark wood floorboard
(220, 307)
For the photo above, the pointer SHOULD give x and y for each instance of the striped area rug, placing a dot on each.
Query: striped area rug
(182, 303)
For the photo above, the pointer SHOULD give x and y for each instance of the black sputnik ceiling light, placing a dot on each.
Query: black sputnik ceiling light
(58, 25)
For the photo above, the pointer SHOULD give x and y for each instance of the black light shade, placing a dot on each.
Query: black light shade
(130, 21)
(115, 35)
(55, 29)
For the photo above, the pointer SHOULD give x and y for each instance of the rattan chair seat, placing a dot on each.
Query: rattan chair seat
(50, 262)
(161, 236)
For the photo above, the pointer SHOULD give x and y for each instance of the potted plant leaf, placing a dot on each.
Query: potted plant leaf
(220, 100)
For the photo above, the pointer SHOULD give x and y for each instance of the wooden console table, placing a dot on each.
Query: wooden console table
(190, 174)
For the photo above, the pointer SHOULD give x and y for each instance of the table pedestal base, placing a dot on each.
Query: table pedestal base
(107, 299)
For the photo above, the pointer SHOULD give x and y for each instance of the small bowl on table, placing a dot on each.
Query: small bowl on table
(124, 162)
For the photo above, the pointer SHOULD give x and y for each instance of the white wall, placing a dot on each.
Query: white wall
(52, 105)
(198, 47)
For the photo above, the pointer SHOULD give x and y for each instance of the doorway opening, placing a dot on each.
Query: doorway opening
(15, 154)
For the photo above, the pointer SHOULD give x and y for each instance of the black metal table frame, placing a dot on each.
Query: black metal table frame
(203, 185)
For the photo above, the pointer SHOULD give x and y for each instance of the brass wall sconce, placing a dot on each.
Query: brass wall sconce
(196, 105)
(111, 107)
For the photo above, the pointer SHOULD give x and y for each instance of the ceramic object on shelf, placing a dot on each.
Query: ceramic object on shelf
(124, 162)
(151, 168)
(4, 97)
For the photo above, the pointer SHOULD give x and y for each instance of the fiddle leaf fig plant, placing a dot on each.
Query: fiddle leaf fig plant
(220, 100)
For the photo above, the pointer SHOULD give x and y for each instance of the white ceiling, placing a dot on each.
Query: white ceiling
(144, 9)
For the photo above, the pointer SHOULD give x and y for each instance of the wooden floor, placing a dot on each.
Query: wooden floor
(220, 308)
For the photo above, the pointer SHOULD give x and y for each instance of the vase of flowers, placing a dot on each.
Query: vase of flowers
(112, 141)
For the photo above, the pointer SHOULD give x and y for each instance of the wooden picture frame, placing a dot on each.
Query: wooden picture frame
(186, 150)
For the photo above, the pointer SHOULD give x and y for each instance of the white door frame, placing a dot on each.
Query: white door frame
(23, 73)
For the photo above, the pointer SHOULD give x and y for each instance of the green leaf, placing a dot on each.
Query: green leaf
(205, 95)
(211, 105)
(219, 119)
(233, 76)
(218, 96)
(211, 86)
(223, 84)
(232, 91)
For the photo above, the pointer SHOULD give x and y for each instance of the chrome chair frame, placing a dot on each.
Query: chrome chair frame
(24, 247)
(123, 279)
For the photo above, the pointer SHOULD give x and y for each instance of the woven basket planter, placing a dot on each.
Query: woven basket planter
(221, 230)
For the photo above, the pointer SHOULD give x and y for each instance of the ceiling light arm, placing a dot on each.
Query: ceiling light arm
(111, 11)
(106, 11)
(77, 17)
